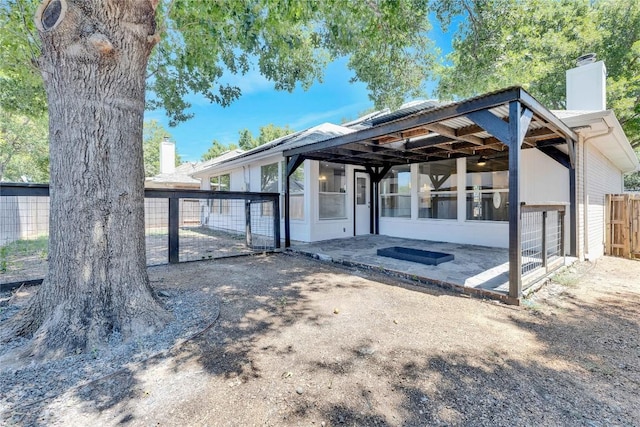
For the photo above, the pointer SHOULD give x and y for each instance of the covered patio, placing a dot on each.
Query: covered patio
(495, 126)
(475, 270)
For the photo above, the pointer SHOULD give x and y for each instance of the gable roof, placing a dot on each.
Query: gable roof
(294, 140)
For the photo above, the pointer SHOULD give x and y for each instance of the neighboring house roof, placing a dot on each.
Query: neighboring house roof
(180, 178)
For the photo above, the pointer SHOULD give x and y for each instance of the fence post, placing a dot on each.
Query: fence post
(174, 232)
(247, 218)
(562, 250)
(544, 241)
(276, 221)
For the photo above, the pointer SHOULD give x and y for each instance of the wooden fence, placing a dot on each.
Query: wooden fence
(623, 225)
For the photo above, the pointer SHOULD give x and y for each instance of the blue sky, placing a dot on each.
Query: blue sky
(332, 100)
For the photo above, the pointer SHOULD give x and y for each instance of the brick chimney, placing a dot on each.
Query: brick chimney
(586, 85)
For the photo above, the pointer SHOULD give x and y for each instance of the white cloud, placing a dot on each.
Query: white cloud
(252, 82)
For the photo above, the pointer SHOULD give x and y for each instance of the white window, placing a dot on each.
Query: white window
(220, 183)
(269, 183)
(296, 192)
(487, 189)
(395, 193)
(332, 189)
(437, 189)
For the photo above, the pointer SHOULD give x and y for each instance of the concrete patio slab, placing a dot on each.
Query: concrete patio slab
(478, 268)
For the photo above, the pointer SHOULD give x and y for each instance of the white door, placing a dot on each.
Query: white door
(363, 204)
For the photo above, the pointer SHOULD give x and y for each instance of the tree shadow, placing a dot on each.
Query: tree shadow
(582, 371)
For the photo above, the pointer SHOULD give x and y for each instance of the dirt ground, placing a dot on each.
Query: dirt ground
(299, 342)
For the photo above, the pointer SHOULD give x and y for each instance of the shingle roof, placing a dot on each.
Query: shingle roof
(297, 139)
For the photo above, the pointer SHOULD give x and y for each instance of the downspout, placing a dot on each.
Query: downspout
(585, 192)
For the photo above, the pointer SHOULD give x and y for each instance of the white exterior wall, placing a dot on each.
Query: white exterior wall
(542, 180)
(485, 233)
(324, 229)
(601, 177)
(248, 178)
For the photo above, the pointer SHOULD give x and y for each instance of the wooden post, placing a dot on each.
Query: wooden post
(174, 230)
(276, 221)
(247, 222)
(573, 214)
(515, 235)
(545, 261)
(562, 239)
(287, 214)
(607, 225)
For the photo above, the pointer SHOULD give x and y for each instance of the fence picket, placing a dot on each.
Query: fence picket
(623, 225)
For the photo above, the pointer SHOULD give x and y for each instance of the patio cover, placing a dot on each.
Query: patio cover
(497, 124)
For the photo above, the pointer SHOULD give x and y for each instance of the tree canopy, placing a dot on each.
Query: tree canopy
(23, 108)
(24, 149)
(266, 134)
(532, 43)
(217, 149)
(290, 43)
(247, 141)
(152, 136)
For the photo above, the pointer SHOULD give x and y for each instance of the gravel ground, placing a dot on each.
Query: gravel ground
(286, 340)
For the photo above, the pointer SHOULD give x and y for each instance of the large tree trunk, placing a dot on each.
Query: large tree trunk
(94, 57)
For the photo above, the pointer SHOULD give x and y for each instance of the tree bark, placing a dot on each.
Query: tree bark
(93, 62)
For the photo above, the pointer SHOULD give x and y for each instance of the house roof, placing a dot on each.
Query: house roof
(297, 139)
(423, 131)
(433, 131)
(216, 160)
(603, 129)
(180, 177)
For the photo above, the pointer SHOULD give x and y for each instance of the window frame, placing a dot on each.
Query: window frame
(220, 206)
(476, 196)
(386, 193)
(341, 194)
(453, 177)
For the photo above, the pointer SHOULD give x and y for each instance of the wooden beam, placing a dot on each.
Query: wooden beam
(492, 124)
(452, 133)
(432, 116)
(545, 116)
(540, 134)
(525, 120)
(412, 133)
(571, 148)
(573, 214)
(428, 142)
(293, 162)
(557, 155)
(469, 130)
